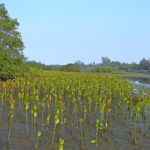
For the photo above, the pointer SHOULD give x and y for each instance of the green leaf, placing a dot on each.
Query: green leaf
(93, 141)
(48, 117)
(35, 114)
(61, 141)
(39, 133)
(81, 120)
(27, 106)
(97, 123)
(56, 121)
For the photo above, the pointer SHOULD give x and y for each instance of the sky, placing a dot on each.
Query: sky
(64, 31)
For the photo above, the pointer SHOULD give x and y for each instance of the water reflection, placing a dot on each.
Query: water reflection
(141, 80)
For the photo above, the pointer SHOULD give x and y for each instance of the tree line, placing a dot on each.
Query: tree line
(142, 66)
(106, 65)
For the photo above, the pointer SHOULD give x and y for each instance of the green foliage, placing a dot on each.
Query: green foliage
(93, 141)
(82, 103)
(105, 61)
(113, 66)
(71, 68)
(145, 64)
(11, 46)
(106, 69)
(39, 133)
(39, 65)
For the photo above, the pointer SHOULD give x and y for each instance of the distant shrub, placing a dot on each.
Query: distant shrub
(71, 68)
(106, 69)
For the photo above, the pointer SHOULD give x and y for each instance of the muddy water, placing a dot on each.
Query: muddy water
(117, 138)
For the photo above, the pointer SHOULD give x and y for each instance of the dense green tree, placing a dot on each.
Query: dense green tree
(145, 64)
(80, 63)
(105, 61)
(11, 45)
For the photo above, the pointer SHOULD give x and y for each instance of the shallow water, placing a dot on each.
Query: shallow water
(118, 137)
(140, 81)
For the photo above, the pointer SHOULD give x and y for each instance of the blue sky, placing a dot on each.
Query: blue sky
(63, 31)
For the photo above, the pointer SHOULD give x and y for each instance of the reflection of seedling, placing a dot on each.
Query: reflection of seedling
(137, 111)
(11, 115)
(26, 102)
(97, 127)
(75, 110)
(90, 108)
(81, 132)
(146, 120)
(43, 106)
(37, 142)
(56, 121)
(34, 112)
(103, 128)
(85, 112)
(47, 120)
(61, 144)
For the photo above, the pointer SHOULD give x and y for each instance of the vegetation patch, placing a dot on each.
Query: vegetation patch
(58, 110)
